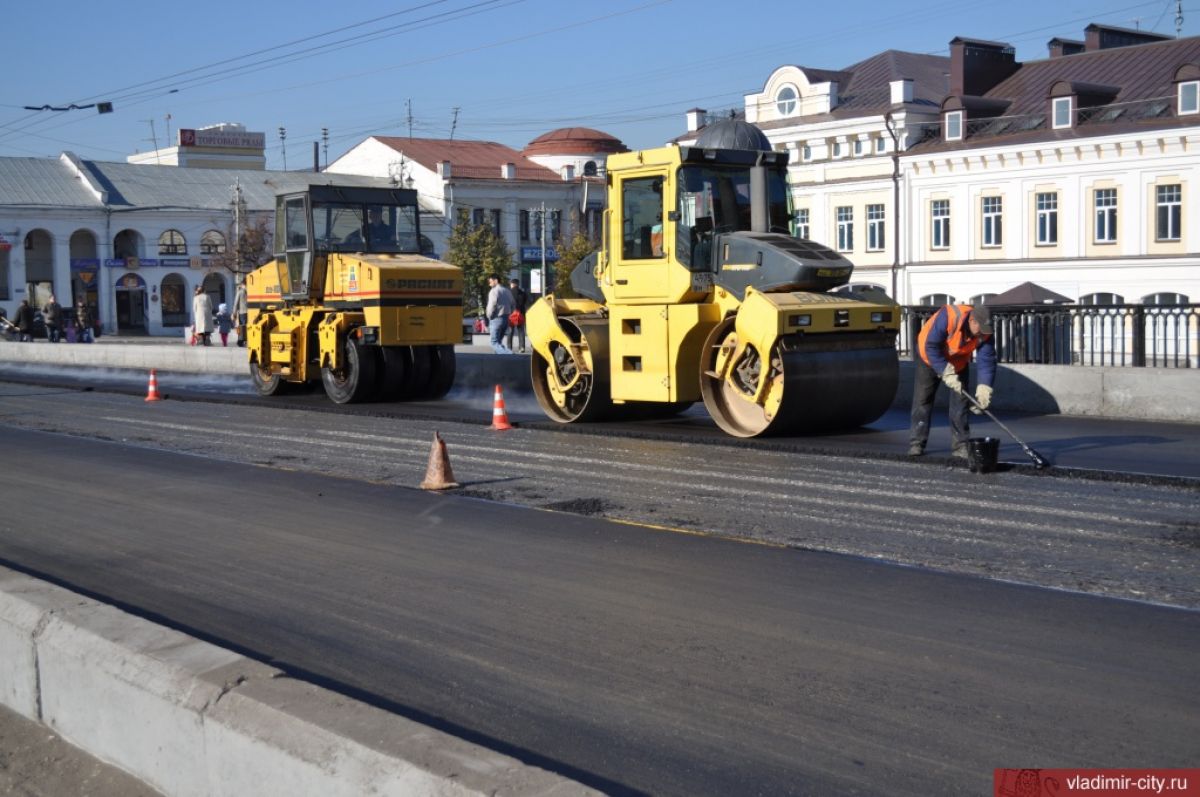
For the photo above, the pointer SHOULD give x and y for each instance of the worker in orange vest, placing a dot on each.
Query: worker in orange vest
(944, 350)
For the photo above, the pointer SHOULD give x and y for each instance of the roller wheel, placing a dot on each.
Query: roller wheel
(589, 398)
(420, 367)
(267, 383)
(727, 399)
(442, 368)
(355, 381)
(393, 361)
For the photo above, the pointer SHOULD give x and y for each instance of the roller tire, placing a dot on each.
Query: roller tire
(393, 370)
(356, 381)
(267, 384)
(442, 369)
(590, 399)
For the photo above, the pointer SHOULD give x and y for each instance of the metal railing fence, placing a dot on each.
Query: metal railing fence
(1135, 335)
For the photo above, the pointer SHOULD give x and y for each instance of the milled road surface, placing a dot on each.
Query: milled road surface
(633, 659)
(1135, 541)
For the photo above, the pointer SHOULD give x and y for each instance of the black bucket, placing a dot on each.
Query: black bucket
(982, 453)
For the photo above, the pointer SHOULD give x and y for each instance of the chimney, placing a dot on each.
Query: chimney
(568, 172)
(508, 171)
(695, 119)
(1106, 37)
(444, 170)
(902, 91)
(978, 66)
(1060, 47)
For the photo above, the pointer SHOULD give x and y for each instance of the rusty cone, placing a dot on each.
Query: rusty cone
(499, 413)
(152, 393)
(438, 475)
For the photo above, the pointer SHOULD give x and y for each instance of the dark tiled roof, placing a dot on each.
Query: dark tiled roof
(1143, 74)
(474, 160)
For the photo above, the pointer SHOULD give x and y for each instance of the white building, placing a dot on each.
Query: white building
(223, 146)
(489, 183)
(133, 241)
(1075, 172)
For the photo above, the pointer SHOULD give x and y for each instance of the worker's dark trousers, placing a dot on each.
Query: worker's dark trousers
(925, 385)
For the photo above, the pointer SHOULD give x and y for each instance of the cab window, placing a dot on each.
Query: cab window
(642, 214)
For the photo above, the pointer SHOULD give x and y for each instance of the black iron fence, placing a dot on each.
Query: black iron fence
(1163, 336)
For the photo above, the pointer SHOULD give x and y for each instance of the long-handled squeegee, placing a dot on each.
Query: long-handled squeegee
(1039, 461)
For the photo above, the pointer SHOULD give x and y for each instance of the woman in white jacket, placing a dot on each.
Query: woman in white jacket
(202, 315)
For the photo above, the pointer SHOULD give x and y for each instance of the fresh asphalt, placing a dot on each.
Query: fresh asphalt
(635, 660)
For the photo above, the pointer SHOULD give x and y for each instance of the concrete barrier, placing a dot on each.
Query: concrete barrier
(190, 718)
(1148, 394)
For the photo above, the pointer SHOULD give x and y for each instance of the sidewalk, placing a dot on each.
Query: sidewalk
(37, 762)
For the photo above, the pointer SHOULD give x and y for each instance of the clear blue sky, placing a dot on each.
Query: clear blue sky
(513, 68)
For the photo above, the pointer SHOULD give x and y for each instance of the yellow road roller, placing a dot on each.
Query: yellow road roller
(350, 300)
(700, 291)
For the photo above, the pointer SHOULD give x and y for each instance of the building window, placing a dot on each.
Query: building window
(802, 222)
(524, 225)
(172, 242)
(1106, 215)
(875, 228)
(212, 243)
(845, 229)
(785, 101)
(1170, 206)
(589, 169)
(1102, 298)
(477, 216)
(806, 153)
(880, 145)
(954, 126)
(939, 212)
(993, 230)
(1189, 97)
(1047, 219)
(837, 149)
(858, 147)
(1062, 113)
(494, 220)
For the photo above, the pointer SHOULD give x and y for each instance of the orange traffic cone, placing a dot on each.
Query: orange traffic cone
(438, 475)
(152, 393)
(499, 414)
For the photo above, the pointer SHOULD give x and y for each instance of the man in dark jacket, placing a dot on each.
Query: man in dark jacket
(52, 315)
(944, 347)
(25, 321)
(519, 300)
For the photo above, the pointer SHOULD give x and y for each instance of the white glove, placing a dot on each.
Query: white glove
(950, 377)
(983, 397)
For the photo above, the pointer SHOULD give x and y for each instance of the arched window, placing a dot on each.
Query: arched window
(589, 169)
(4, 272)
(212, 243)
(785, 101)
(175, 303)
(127, 244)
(1102, 298)
(83, 245)
(936, 299)
(172, 242)
(1165, 298)
(214, 286)
(981, 298)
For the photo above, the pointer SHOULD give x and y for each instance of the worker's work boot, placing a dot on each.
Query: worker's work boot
(959, 451)
(916, 450)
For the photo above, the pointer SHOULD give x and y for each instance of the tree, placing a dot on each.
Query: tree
(479, 252)
(248, 253)
(569, 255)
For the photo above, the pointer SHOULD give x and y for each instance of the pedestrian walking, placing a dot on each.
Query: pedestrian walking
(83, 322)
(239, 310)
(224, 322)
(25, 322)
(52, 315)
(516, 320)
(499, 308)
(202, 316)
(944, 347)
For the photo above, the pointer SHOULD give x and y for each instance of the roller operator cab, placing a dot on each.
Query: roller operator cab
(349, 300)
(700, 291)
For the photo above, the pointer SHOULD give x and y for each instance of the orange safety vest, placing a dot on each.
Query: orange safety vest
(960, 344)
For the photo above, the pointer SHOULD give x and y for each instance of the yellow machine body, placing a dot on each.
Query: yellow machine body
(699, 292)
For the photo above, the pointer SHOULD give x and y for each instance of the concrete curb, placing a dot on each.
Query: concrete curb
(1145, 394)
(190, 718)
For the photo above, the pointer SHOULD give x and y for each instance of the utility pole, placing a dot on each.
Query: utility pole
(239, 208)
(153, 138)
(408, 113)
(325, 143)
(453, 123)
(1178, 18)
(283, 144)
(168, 120)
